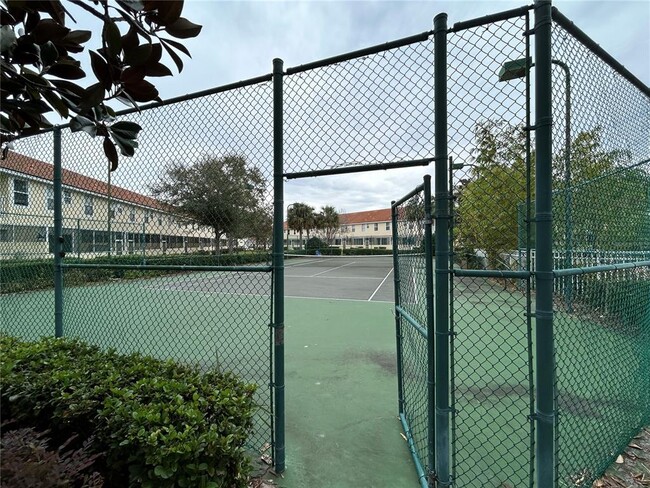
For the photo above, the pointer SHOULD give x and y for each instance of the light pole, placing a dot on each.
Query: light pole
(517, 69)
(288, 207)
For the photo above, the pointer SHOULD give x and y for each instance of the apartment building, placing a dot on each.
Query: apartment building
(369, 229)
(97, 217)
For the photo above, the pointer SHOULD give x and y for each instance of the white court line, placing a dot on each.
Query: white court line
(332, 269)
(382, 282)
(304, 264)
(335, 277)
(267, 296)
(338, 299)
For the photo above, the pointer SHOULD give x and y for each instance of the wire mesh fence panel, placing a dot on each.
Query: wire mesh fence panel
(413, 324)
(601, 239)
(26, 233)
(198, 192)
(489, 145)
(375, 109)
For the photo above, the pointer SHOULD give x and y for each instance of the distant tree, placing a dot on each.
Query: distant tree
(300, 218)
(487, 202)
(223, 193)
(38, 63)
(328, 222)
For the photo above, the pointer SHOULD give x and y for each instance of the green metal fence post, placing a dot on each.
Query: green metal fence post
(544, 354)
(58, 236)
(278, 264)
(428, 259)
(442, 408)
(398, 320)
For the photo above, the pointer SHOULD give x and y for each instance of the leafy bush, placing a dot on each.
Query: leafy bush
(315, 244)
(38, 274)
(160, 423)
(28, 462)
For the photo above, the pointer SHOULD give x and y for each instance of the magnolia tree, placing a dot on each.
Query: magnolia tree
(41, 69)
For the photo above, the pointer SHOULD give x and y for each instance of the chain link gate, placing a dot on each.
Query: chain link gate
(413, 277)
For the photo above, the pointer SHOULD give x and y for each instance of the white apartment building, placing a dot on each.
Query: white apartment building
(96, 216)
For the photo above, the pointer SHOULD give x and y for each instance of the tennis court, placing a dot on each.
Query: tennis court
(340, 351)
(341, 384)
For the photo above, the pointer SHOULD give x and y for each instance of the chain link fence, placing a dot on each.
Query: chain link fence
(601, 241)
(490, 177)
(171, 254)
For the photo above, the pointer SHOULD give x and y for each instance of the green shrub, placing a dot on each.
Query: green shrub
(160, 423)
(315, 244)
(37, 274)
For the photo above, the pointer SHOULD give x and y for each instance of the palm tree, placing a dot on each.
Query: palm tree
(300, 217)
(328, 221)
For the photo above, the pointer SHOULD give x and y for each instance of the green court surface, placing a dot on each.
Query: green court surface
(342, 428)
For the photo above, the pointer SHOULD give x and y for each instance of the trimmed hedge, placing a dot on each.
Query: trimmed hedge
(38, 274)
(160, 423)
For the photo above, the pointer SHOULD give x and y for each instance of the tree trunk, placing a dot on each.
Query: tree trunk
(217, 244)
(300, 243)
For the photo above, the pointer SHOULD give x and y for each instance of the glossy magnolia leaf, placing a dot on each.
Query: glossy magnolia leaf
(66, 70)
(82, 123)
(111, 153)
(49, 30)
(6, 18)
(34, 78)
(169, 11)
(157, 69)
(125, 129)
(74, 40)
(49, 53)
(133, 75)
(135, 5)
(93, 96)
(33, 18)
(183, 29)
(100, 68)
(130, 39)
(127, 146)
(68, 87)
(142, 91)
(175, 57)
(156, 54)
(137, 56)
(56, 102)
(112, 38)
(177, 45)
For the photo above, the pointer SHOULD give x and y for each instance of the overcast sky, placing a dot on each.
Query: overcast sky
(240, 39)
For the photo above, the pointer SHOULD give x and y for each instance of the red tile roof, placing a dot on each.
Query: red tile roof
(39, 169)
(367, 216)
(364, 217)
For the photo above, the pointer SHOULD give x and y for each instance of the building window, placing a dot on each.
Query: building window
(21, 193)
(49, 198)
(159, 220)
(354, 228)
(88, 206)
(4, 234)
(67, 197)
(147, 216)
(376, 227)
(387, 225)
(132, 215)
